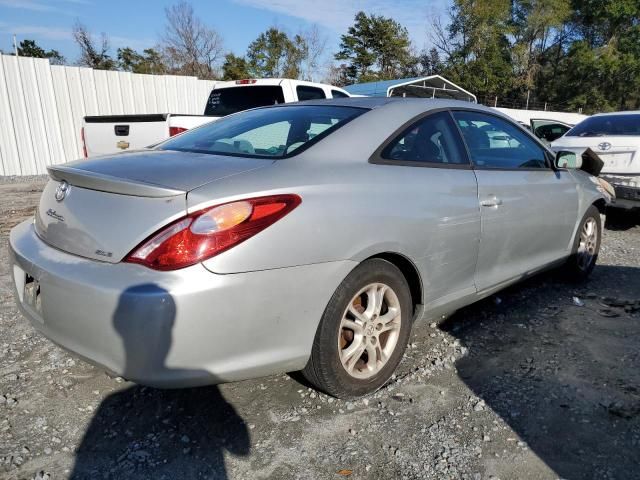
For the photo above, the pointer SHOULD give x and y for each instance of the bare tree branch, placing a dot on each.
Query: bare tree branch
(316, 44)
(92, 55)
(191, 47)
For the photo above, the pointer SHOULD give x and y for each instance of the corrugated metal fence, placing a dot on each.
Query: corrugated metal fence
(42, 105)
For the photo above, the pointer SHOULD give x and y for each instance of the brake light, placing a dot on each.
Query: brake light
(176, 130)
(205, 234)
(246, 81)
(84, 144)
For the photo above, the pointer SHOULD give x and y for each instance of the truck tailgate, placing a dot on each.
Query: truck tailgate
(107, 134)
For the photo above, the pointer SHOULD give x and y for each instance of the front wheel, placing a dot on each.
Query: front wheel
(363, 332)
(586, 246)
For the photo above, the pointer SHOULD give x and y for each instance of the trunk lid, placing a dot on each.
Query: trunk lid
(102, 208)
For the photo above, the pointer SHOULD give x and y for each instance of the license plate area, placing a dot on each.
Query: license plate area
(619, 159)
(32, 296)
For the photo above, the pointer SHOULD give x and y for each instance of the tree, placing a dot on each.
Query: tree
(235, 68)
(567, 54)
(601, 67)
(337, 75)
(273, 54)
(479, 53)
(91, 54)
(316, 44)
(375, 48)
(190, 46)
(29, 48)
(150, 61)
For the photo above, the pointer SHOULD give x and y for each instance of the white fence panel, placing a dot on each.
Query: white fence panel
(35, 115)
(26, 158)
(65, 114)
(89, 92)
(49, 112)
(42, 107)
(9, 157)
(78, 110)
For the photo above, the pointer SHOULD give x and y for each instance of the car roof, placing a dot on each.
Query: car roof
(607, 114)
(378, 102)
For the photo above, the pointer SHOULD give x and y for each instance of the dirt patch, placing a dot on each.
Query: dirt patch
(531, 386)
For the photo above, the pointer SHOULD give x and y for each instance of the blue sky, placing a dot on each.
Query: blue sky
(138, 23)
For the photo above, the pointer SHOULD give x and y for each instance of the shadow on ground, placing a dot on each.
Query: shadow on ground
(622, 220)
(162, 434)
(565, 378)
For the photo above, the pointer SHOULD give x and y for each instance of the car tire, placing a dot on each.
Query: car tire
(586, 246)
(360, 342)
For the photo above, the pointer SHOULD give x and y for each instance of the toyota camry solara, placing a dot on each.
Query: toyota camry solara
(296, 237)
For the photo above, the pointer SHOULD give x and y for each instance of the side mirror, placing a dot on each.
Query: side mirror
(568, 160)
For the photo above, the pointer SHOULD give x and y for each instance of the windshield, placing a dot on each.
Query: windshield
(225, 101)
(607, 125)
(275, 132)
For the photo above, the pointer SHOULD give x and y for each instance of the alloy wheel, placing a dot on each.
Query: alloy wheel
(369, 330)
(587, 248)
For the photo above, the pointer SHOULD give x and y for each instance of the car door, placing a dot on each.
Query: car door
(527, 208)
(548, 130)
(439, 190)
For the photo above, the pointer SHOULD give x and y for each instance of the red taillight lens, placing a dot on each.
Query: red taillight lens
(207, 233)
(84, 144)
(176, 130)
(246, 81)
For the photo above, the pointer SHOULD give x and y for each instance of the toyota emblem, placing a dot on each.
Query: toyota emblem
(604, 146)
(62, 191)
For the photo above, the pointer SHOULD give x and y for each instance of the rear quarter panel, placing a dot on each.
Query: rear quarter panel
(352, 210)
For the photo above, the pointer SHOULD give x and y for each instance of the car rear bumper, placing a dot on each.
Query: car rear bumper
(172, 329)
(627, 190)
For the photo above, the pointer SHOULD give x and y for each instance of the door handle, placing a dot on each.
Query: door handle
(492, 201)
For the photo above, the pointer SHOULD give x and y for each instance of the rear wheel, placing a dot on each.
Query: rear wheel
(363, 332)
(586, 246)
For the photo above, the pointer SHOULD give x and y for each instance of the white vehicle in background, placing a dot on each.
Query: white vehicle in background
(106, 134)
(615, 137)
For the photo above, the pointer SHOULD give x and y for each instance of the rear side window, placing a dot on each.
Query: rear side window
(496, 143)
(551, 131)
(276, 132)
(607, 125)
(338, 94)
(225, 101)
(306, 92)
(432, 139)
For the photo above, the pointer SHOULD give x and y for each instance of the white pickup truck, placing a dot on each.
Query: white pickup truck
(105, 134)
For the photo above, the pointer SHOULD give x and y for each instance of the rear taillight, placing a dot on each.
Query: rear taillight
(207, 233)
(246, 81)
(176, 130)
(84, 144)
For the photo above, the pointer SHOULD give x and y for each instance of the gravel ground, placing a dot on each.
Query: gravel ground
(529, 384)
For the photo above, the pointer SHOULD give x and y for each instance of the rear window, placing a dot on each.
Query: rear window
(225, 101)
(276, 132)
(305, 92)
(607, 125)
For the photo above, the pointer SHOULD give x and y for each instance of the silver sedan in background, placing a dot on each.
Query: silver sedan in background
(305, 237)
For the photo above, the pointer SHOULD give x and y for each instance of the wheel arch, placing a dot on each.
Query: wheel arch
(601, 205)
(410, 273)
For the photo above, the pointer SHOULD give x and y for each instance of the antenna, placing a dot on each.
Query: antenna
(15, 45)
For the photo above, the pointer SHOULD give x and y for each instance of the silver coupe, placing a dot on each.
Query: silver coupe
(306, 236)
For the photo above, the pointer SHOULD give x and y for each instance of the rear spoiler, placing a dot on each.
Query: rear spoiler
(106, 183)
